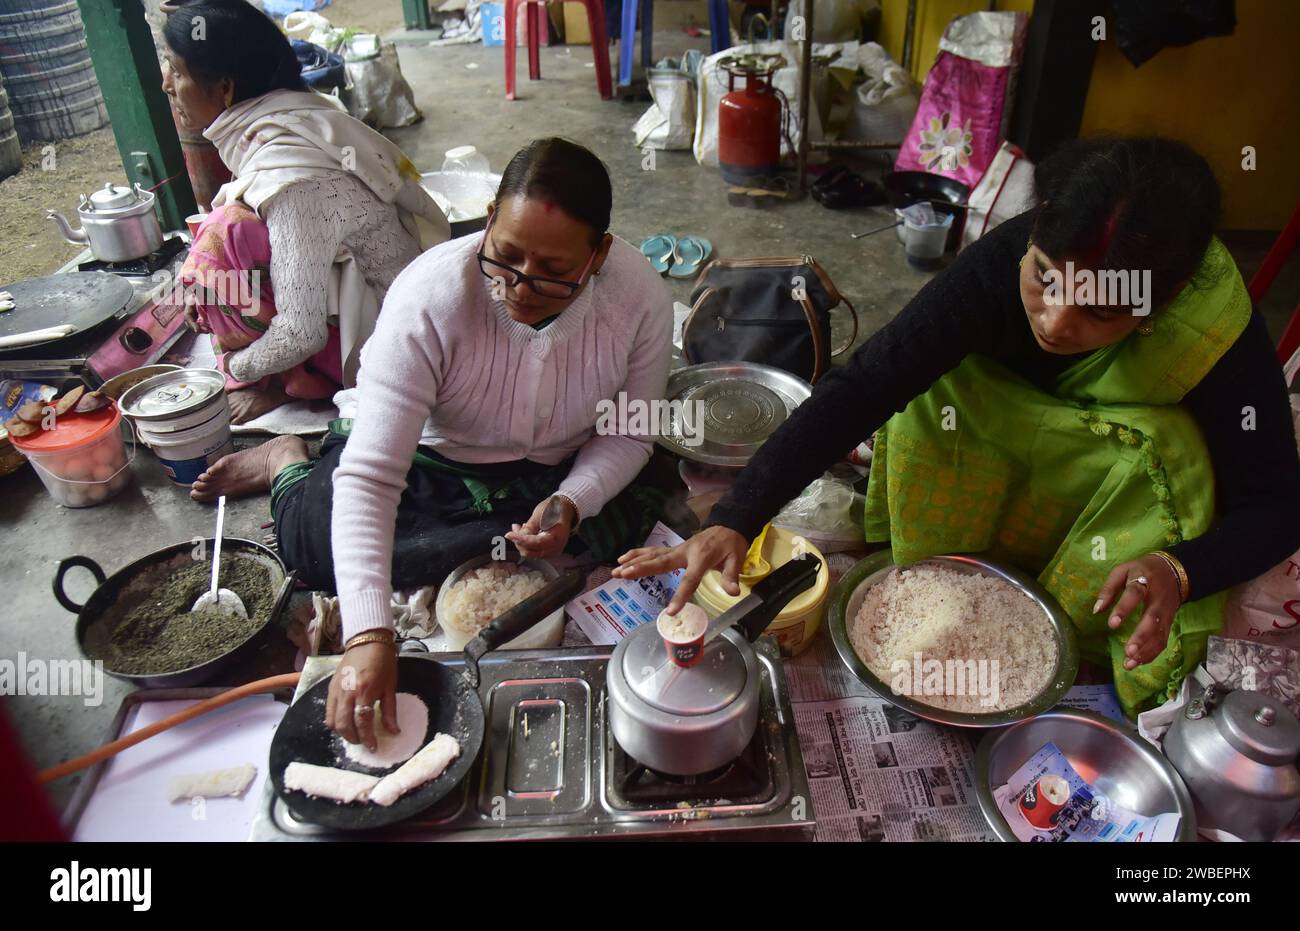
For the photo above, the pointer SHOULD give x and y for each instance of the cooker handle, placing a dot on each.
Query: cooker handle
(85, 562)
(776, 590)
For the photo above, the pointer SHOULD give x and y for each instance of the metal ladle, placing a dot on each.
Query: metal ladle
(219, 599)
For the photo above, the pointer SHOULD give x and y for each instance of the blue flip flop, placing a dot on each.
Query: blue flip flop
(690, 253)
(660, 250)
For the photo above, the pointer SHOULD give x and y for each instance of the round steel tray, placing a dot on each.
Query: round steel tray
(1109, 755)
(847, 597)
(740, 404)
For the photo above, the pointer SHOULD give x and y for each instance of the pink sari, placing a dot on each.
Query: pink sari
(227, 279)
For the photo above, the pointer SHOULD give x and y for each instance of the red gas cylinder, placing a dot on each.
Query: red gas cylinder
(750, 120)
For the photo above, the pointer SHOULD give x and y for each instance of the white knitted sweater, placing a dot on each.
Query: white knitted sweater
(449, 364)
(308, 222)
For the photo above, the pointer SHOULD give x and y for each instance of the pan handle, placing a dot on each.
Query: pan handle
(283, 595)
(530, 611)
(85, 562)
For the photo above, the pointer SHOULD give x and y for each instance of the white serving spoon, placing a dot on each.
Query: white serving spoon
(221, 599)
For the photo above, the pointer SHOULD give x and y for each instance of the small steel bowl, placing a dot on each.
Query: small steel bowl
(118, 385)
(742, 404)
(1108, 755)
(546, 633)
(847, 598)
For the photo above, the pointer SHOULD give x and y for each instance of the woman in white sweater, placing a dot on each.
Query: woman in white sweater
(496, 363)
(320, 215)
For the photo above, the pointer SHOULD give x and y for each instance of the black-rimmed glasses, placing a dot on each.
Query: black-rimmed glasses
(542, 286)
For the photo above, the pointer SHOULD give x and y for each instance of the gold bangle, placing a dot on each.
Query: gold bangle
(374, 636)
(1184, 586)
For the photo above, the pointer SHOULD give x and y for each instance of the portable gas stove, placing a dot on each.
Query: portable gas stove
(139, 334)
(550, 769)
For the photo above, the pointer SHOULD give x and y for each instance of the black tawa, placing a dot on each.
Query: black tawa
(454, 708)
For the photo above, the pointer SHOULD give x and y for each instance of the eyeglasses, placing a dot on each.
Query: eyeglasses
(511, 277)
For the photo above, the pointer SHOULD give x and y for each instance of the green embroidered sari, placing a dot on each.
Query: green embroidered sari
(1068, 483)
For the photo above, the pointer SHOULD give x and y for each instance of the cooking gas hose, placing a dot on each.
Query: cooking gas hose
(271, 684)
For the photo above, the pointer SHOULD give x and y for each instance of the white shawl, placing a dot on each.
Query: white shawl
(280, 138)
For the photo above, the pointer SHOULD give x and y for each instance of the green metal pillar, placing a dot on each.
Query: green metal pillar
(126, 63)
(416, 13)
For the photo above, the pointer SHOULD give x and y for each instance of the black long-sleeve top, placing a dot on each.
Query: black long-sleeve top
(974, 306)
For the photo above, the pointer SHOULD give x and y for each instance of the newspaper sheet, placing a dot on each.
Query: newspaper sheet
(876, 772)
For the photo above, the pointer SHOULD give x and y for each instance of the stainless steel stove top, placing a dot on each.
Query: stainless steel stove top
(550, 768)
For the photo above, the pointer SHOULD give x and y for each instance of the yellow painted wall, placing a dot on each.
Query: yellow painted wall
(1217, 95)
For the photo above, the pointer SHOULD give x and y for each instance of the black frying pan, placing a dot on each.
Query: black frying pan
(904, 188)
(81, 299)
(99, 616)
(454, 708)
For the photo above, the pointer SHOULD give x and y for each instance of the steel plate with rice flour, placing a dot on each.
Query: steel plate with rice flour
(847, 599)
(734, 408)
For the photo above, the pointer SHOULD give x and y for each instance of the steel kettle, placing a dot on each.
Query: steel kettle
(1237, 751)
(117, 222)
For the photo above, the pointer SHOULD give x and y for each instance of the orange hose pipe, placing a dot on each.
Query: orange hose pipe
(288, 680)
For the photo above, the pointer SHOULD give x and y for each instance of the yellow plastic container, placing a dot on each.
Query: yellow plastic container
(798, 622)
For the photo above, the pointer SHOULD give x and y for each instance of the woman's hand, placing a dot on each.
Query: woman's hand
(194, 320)
(712, 548)
(1160, 598)
(534, 543)
(366, 674)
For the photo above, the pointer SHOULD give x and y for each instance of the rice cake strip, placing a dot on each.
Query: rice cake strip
(425, 766)
(216, 783)
(341, 785)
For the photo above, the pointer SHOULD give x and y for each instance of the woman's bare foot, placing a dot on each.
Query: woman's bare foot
(250, 403)
(249, 471)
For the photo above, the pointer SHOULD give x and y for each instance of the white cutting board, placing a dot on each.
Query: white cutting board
(130, 803)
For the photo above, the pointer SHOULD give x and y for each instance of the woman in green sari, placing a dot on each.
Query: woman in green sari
(1085, 393)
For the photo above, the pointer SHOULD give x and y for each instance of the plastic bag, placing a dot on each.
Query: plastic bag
(828, 513)
(670, 121)
(964, 105)
(885, 102)
(1006, 190)
(380, 95)
(282, 8)
(834, 20)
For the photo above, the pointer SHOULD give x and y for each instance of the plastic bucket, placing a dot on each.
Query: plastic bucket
(925, 243)
(798, 622)
(185, 454)
(82, 462)
(184, 417)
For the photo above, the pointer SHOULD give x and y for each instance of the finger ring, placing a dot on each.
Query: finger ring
(1140, 580)
(362, 710)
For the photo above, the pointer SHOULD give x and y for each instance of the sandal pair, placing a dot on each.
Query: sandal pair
(679, 258)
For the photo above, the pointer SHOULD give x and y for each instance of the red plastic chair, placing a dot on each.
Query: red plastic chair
(535, 20)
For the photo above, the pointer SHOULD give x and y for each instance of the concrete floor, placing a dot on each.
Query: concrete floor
(461, 91)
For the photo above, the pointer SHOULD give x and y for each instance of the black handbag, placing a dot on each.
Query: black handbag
(773, 311)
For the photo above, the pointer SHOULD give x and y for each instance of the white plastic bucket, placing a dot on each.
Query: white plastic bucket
(185, 454)
(925, 243)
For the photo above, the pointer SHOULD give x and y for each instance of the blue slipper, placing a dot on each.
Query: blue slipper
(690, 253)
(659, 250)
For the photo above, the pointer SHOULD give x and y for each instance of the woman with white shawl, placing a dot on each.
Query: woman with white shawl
(289, 270)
